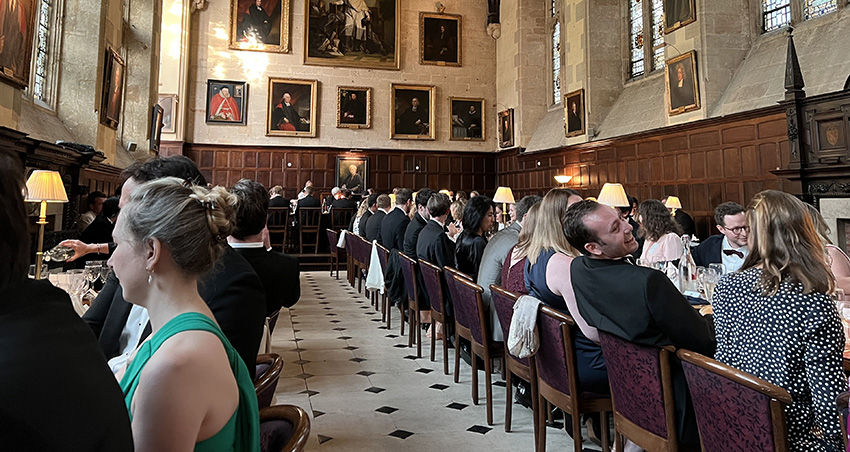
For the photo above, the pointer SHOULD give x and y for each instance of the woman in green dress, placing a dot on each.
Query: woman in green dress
(185, 387)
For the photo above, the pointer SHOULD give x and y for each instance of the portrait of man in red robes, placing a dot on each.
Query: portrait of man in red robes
(226, 102)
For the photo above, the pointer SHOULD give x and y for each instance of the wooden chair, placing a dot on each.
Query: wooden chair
(341, 217)
(309, 219)
(432, 277)
(557, 378)
(284, 428)
(471, 323)
(735, 410)
(278, 224)
(503, 302)
(337, 254)
(414, 308)
(269, 367)
(642, 394)
(383, 256)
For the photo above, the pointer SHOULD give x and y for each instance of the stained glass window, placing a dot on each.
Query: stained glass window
(39, 80)
(657, 34)
(776, 13)
(554, 8)
(636, 38)
(556, 64)
(815, 8)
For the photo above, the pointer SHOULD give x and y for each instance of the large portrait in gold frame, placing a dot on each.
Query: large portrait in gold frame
(412, 112)
(682, 86)
(355, 33)
(17, 26)
(292, 108)
(677, 14)
(261, 25)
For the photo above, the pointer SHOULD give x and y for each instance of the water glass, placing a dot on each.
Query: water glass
(708, 278)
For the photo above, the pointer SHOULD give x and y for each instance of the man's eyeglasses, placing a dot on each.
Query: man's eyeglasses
(738, 230)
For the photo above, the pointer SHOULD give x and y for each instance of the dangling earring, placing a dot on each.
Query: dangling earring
(150, 278)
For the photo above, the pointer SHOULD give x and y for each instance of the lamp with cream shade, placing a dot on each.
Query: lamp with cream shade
(505, 196)
(563, 180)
(613, 195)
(673, 203)
(44, 186)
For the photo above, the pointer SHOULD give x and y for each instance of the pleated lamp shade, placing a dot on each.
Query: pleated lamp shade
(44, 185)
(505, 195)
(613, 195)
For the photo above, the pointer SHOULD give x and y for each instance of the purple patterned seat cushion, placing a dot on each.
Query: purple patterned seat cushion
(505, 311)
(408, 270)
(466, 310)
(431, 277)
(551, 358)
(635, 375)
(513, 276)
(731, 417)
(274, 434)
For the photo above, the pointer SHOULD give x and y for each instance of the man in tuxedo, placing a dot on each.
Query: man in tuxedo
(277, 199)
(232, 289)
(373, 225)
(636, 303)
(394, 225)
(308, 200)
(420, 219)
(372, 203)
(278, 272)
(729, 248)
(434, 245)
(344, 201)
(496, 251)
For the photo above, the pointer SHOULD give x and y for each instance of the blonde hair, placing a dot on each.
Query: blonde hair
(785, 243)
(364, 206)
(191, 221)
(456, 208)
(547, 231)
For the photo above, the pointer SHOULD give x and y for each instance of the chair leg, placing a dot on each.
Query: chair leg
(606, 445)
(401, 318)
(576, 426)
(389, 314)
(418, 334)
(445, 351)
(541, 425)
(411, 324)
(618, 440)
(433, 340)
(457, 358)
(384, 303)
(535, 412)
(508, 403)
(488, 388)
(474, 358)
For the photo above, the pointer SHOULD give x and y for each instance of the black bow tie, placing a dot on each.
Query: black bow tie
(735, 252)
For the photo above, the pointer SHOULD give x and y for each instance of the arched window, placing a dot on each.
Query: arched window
(42, 78)
(556, 63)
(646, 36)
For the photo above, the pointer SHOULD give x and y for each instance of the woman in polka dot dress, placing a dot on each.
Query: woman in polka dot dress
(775, 319)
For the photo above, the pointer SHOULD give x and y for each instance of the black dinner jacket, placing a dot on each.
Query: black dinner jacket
(278, 201)
(373, 226)
(709, 251)
(363, 220)
(686, 222)
(344, 203)
(309, 201)
(437, 248)
(411, 235)
(232, 290)
(280, 275)
(393, 228)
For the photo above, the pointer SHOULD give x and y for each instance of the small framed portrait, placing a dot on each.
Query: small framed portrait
(682, 86)
(17, 23)
(467, 119)
(226, 101)
(113, 89)
(677, 14)
(352, 33)
(353, 107)
(352, 173)
(574, 113)
(261, 25)
(292, 108)
(168, 102)
(440, 39)
(506, 128)
(412, 112)
(155, 131)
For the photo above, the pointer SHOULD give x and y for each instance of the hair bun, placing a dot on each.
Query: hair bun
(218, 207)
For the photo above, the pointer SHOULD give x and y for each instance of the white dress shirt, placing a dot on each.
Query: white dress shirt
(732, 262)
(130, 337)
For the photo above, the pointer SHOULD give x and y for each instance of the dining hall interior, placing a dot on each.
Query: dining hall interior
(716, 119)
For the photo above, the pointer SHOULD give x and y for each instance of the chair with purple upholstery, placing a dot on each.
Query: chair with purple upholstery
(337, 254)
(362, 248)
(471, 323)
(433, 279)
(269, 367)
(557, 377)
(513, 277)
(503, 302)
(642, 393)
(735, 411)
(414, 310)
(284, 428)
(383, 255)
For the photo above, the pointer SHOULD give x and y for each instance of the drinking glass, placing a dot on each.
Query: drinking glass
(708, 278)
(104, 272)
(77, 282)
(719, 268)
(92, 273)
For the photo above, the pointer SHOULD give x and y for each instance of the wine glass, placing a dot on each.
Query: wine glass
(92, 273)
(708, 278)
(104, 272)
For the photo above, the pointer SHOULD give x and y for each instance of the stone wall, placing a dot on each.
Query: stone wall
(213, 60)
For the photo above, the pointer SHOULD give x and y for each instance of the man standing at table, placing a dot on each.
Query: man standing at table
(635, 303)
(730, 247)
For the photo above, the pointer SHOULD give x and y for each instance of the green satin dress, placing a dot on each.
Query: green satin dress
(242, 431)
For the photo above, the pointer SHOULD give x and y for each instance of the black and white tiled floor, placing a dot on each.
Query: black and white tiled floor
(345, 368)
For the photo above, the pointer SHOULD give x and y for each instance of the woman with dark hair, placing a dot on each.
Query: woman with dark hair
(775, 318)
(662, 234)
(478, 217)
(57, 392)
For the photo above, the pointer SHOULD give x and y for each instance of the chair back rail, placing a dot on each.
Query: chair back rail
(276, 423)
(278, 225)
(333, 239)
(340, 217)
(735, 410)
(309, 221)
(265, 382)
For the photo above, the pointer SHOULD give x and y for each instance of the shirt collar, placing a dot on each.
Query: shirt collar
(728, 246)
(442, 225)
(238, 245)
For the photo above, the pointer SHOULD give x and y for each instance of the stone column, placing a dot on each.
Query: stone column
(141, 39)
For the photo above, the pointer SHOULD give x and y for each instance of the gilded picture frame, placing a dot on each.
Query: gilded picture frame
(411, 106)
(682, 83)
(574, 118)
(344, 176)
(467, 120)
(506, 128)
(440, 39)
(263, 28)
(373, 44)
(353, 107)
(678, 13)
(292, 108)
(112, 93)
(16, 54)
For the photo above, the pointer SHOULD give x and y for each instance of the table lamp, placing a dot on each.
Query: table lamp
(613, 195)
(563, 180)
(673, 203)
(44, 186)
(505, 196)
